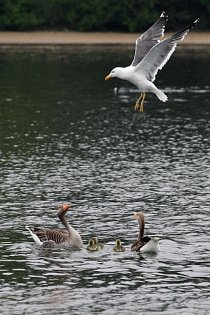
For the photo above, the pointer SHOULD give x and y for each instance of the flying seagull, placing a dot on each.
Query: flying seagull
(151, 55)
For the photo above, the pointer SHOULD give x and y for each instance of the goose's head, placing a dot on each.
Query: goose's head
(139, 216)
(62, 209)
(118, 72)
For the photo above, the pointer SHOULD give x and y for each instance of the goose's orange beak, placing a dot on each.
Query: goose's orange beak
(66, 207)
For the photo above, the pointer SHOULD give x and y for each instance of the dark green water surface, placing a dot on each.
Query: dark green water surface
(65, 136)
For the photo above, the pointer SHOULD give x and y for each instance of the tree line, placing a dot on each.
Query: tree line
(100, 15)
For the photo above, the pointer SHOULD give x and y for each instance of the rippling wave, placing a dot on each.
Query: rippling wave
(65, 141)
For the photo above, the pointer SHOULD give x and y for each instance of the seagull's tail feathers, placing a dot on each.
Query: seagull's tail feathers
(161, 95)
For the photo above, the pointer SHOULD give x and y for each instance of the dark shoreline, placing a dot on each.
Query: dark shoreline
(56, 48)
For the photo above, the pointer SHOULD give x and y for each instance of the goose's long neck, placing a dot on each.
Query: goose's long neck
(141, 227)
(62, 217)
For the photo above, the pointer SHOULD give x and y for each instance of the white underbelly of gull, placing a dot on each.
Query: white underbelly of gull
(151, 55)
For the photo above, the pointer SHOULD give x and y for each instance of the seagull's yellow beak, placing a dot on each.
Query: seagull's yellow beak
(108, 77)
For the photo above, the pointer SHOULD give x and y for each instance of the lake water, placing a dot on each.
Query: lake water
(65, 136)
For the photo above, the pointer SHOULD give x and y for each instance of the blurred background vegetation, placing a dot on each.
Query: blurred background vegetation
(100, 15)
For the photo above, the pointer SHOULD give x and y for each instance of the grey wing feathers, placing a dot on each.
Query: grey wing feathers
(48, 235)
(137, 245)
(161, 52)
(150, 38)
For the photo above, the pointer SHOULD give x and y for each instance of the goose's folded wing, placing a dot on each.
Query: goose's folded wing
(160, 54)
(46, 235)
(148, 39)
(137, 245)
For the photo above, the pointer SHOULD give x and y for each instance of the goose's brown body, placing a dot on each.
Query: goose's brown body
(52, 237)
(144, 243)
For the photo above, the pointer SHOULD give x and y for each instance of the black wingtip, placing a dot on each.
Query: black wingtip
(164, 15)
(189, 27)
(194, 23)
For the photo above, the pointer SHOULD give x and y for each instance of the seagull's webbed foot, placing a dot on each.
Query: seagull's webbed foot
(137, 105)
(140, 103)
(141, 108)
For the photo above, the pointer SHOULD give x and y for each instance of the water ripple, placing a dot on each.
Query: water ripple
(107, 161)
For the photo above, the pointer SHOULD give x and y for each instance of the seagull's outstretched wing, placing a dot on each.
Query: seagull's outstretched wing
(150, 38)
(160, 54)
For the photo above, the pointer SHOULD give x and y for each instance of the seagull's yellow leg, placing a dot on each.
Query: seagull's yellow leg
(141, 108)
(137, 102)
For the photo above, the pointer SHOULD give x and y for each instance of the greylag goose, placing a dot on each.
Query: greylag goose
(151, 55)
(118, 246)
(52, 237)
(144, 243)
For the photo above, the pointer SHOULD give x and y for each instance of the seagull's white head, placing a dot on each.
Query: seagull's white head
(118, 72)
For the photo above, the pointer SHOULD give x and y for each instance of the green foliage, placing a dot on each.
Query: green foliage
(100, 15)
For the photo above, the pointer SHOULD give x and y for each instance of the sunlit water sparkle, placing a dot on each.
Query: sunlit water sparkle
(69, 138)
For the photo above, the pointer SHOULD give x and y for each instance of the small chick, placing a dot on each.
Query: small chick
(118, 247)
(92, 246)
(97, 244)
